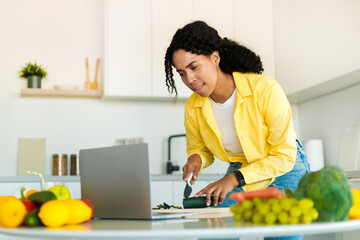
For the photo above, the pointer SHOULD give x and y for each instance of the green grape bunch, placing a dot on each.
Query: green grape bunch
(271, 211)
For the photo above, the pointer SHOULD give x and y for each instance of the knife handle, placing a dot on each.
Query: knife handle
(189, 179)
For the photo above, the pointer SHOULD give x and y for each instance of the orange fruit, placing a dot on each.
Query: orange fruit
(79, 211)
(54, 213)
(28, 193)
(12, 212)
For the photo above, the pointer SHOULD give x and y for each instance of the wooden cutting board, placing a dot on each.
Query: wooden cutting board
(31, 156)
(202, 212)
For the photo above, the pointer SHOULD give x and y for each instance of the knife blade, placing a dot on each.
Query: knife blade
(188, 187)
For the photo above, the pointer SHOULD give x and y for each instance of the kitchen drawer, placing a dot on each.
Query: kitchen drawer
(14, 188)
(161, 191)
(172, 192)
(75, 189)
(354, 183)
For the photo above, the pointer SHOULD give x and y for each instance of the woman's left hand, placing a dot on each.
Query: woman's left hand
(218, 190)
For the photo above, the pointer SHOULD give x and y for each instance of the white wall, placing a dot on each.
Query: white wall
(295, 117)
(59, 35)
(325, 117)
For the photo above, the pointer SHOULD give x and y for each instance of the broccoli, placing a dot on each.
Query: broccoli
(330, 191)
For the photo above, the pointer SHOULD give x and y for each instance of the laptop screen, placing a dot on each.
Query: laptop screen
(116, 180)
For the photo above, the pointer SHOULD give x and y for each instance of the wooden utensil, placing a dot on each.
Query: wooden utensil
(87, 82)
(95, 84)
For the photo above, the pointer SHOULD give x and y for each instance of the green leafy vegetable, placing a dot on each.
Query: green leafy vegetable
(330, 191)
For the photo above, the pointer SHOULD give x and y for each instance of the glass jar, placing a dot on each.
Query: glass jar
(59, 164)
(74, 165)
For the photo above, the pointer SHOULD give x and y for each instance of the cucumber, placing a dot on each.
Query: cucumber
(32, 218)
(196, 202)
(41, 197)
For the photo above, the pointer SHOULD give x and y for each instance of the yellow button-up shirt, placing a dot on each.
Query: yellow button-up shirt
(263, 123)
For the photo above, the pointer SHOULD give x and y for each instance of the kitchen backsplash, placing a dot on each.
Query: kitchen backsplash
(326, 118)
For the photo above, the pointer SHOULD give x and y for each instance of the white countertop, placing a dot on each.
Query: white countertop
(154, 177)
(177, 228)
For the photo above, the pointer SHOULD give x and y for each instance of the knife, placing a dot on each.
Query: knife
(188, 188)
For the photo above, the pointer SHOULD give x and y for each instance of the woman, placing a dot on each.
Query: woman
(236, 114)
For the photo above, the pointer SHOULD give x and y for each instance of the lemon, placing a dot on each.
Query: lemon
(79, 211)
(54, 213)
(3, 198)
(76, 227)
(12, 212)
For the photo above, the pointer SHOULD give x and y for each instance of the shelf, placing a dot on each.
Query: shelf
(331, 86)
(144, 99)
(37, 92)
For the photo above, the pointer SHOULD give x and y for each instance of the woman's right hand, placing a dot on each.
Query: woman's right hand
(193, 165)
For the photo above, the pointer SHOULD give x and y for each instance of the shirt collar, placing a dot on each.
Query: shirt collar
(242, 84)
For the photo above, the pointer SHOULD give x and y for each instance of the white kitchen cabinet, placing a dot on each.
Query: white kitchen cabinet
(75, 189)
(254, 28)
(13, 188)
(239, 23)
(315, 41)
(167, 17)
(128, 48)
(139, 32)
(210, 12)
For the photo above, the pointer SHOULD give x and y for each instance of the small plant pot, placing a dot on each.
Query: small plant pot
(34, 82)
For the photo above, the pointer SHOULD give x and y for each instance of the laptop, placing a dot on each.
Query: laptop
(116, 180)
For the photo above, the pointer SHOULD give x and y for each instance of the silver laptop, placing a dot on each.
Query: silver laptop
(116, 180)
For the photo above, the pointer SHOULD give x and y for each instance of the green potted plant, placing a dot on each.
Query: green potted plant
(33, 73)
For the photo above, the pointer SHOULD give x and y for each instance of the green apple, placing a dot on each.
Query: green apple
(61, 192)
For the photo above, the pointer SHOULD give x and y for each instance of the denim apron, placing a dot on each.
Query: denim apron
(289, 180)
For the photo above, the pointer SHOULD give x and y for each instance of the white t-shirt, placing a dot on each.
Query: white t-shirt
(224, 116)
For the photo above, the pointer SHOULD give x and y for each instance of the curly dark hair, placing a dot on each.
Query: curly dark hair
(198, 37)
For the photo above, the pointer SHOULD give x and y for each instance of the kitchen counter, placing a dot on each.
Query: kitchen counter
(177, 228)
(354, 175)
(178, 177)
(154, 177)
